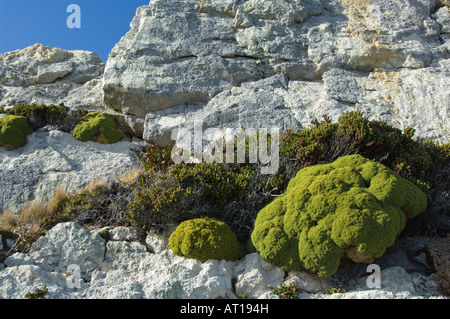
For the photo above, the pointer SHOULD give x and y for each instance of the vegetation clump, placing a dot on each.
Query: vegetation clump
(97, 127)
(13, 131)
(286, 290)
(353, 206)
(415, 159)
(37, 294)
(204, 239)
(168, 193)
(40, 115)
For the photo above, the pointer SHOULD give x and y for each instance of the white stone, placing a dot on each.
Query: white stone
(118, 284)
(43, 74)
(20, 280)
(306, 281)
(168, 276)
(254, 275)
(158, 240)
(18, 259)
(214, 73)
(123, 233)
(123, 255)
(68, 244)
(56, 159)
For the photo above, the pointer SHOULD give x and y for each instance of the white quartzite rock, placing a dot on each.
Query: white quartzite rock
(184, 61)
(44, 74)
(68, 244)
(128, 271)
(123, 255)
(20, 280)
(53, 159)
(169, 276)
(123, 233)
(254, 275)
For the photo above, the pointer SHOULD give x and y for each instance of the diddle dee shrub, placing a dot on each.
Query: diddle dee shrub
(204, 239)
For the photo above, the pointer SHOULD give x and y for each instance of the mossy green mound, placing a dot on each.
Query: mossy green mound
(97, 127)
(353, 206)
(13, 131)
(205, 238)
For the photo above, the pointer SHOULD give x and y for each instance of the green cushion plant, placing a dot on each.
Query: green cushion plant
(13, 131)
(204, 239)
(97, 127)
(352, 206)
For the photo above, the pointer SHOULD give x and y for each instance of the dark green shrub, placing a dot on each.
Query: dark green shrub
(204, 239)
(13, 131)
(187, 191)
(40, 115)
(286, 291)
(235, 193)
(37, 294)
(97, 206)
(414, 159)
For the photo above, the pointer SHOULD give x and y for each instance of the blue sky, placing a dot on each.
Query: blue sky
(103, 23)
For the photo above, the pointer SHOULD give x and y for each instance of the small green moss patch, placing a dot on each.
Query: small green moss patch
(204, 239)
(13, 131)
(98, 127)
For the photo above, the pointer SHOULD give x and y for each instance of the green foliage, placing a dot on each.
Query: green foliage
(97, 127)
(329, 209)
(204, 239)
(98, 206)
(155, 158)
(286, 291)
(104, 233)
(332, 291)
(218, 183)
(37, 294)
(40, 115)
(39, 110)
(184, 191)
(414, 159)
(171, 193)
(13, 131)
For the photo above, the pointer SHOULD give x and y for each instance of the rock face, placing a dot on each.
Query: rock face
(48, 75)
(128, 270)
(253, 63)
(439, 252)
(232, 63)
(53, 159)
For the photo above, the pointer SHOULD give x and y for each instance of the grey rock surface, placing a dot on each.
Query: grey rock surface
(67, 244)
(43, 74)
(205, 60)
(56, 159)
(127, 270)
